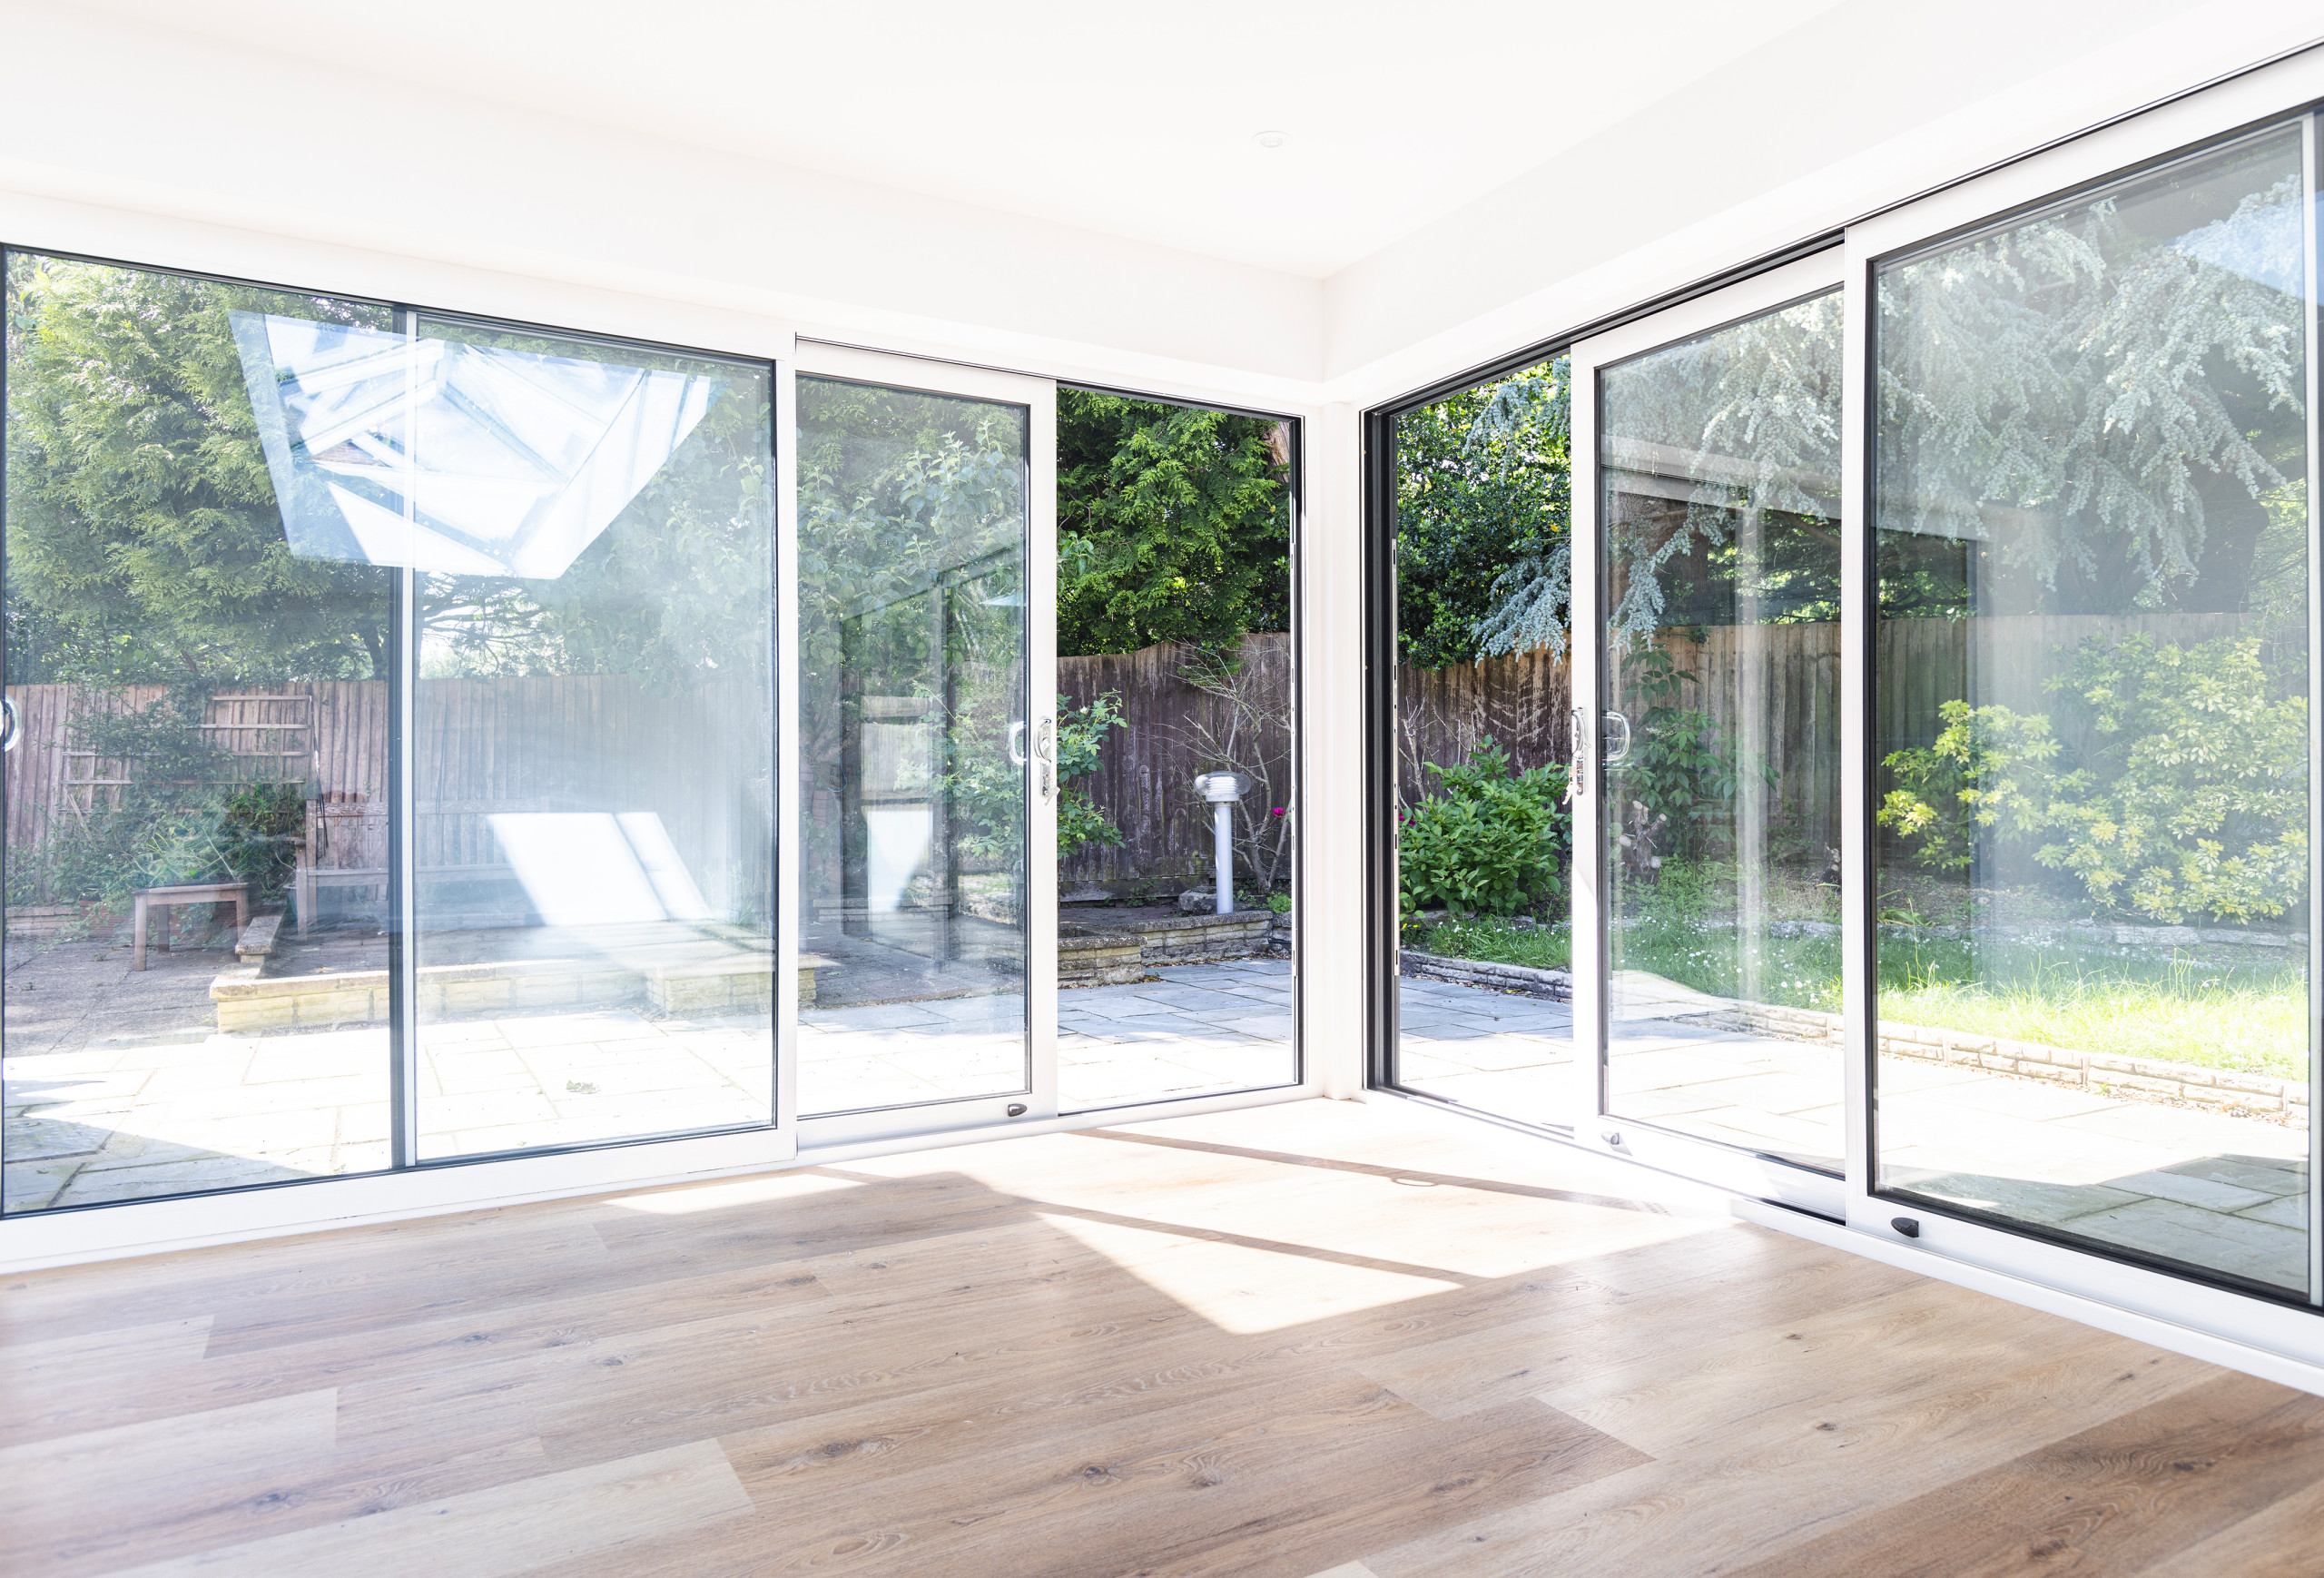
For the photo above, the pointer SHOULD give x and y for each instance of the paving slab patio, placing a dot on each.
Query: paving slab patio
(1200, 1030)
(118, 1086)
(2214, 1189)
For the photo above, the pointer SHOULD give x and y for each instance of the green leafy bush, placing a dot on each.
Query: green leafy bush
(1494, 840)
(2197, 802)
(2192, 799)
(1986, 777)
(988, 787)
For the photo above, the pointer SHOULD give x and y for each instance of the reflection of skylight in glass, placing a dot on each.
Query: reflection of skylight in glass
(445, 456)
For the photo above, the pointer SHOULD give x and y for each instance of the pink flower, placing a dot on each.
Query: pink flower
(1276, 812)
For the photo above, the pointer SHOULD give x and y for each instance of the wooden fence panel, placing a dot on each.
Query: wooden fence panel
(587, 741)
(1145, 781)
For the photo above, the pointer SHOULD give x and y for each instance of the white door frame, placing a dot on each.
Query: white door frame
(2178, 1303)
(1039, 1102)
(1745, 1172)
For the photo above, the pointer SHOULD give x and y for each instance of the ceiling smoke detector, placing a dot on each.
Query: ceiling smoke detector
(1272, 139)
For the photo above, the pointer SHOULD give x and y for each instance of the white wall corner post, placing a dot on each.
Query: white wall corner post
(1331, 903)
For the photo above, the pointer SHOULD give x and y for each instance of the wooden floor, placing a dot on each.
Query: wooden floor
(1317, 1339)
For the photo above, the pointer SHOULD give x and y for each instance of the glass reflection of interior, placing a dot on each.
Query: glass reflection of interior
(197, 716)
(914, 746)
(1719, 468)
(592, 836)
(2094, 562)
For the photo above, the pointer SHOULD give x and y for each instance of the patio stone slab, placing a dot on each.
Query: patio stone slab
(2192, 1190)
(2283, 1210)
(2027, 1199)
(2239, 1244)
(2269, 1177)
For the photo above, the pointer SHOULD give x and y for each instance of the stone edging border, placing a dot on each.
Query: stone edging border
(1557, 985)
(2135, 1077)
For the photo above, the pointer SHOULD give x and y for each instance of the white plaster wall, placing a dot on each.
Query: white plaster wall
(156, 123)
(1866, 106)
(162, 145)
(174, 151)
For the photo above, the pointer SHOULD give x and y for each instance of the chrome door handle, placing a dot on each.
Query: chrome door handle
(1614, 758)
(1045, 753)
(1017, 757)
(11, 727)
(1577, 775)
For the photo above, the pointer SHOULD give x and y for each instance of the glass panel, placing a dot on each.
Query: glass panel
(591, 528)
(2094, 565)
(1483, 488)
(1174, 673)
(913, 748)
(201, 704)
(1719, 468)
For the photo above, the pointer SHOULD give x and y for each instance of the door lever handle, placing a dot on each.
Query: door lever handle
(1577, 775)
(1017, 757)
(1045, 753)
(1619, 754)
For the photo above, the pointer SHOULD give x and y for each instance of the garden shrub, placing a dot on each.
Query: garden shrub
(2196, 804)
(988, 788)
(1494, 839)
(1985, 778)
(2191, 800)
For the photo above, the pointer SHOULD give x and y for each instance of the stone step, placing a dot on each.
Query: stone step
(257, 941)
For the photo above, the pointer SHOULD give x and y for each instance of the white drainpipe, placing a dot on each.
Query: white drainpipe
(1223, 790)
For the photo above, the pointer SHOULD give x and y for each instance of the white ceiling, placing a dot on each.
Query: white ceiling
(1137, 121)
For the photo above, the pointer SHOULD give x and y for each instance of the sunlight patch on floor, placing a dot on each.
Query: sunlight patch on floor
(1241, 1288)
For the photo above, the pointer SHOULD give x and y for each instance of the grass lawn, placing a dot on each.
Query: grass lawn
(2250, 1017)
(1501, 942)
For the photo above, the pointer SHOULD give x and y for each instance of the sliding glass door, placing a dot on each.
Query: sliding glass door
(1942, 726)
(927, 746)
(390, 746)
(406, 761)
(2093, 665)
(1706, 819)
(590, 851)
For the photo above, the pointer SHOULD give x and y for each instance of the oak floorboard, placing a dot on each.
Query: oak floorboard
(1455, 1375)
(152, 1480)
(536, 1524)
(1314, 1340)
(2114, 1499)
(93, 1358)
(1277, 1478)
(1907, 1341)
(1745, 1495)
(56, 1404)
(2282, 1540)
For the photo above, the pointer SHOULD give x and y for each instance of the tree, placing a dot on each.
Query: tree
(1173, 524)
(146, 542)
(1483, 512)
(2097, 410)
(143, 541)
(2107, 402)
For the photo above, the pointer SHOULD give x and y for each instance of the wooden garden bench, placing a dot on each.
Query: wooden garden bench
(148, 899)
